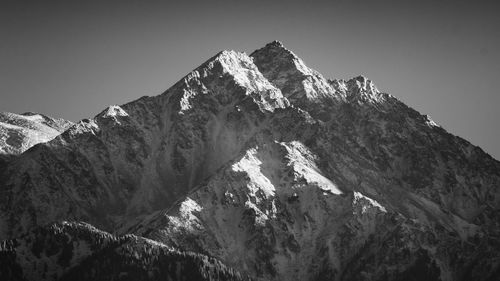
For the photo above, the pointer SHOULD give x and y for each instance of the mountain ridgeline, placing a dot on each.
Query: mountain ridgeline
(252, 167)
(19, 132)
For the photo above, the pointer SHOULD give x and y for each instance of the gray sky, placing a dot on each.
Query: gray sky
(71, 59)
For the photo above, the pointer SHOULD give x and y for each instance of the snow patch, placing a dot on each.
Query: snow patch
(358, 198)
(250, 165)
(430, 122)
(113, 111)
(186, 219)
(189, 206)
(303, 164)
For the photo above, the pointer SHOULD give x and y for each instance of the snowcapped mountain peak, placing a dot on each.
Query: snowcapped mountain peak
(228, 69)
(113, 111)
(262, 163)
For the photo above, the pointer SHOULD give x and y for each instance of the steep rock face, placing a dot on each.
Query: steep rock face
(78, 251)
(304, 87)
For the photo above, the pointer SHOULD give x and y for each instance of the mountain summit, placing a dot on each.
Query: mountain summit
(266, 170)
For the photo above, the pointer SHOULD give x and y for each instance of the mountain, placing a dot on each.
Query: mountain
(144, 155)
(19, 132)
(264, 164)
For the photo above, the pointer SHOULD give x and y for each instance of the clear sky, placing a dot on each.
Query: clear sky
(71, 59)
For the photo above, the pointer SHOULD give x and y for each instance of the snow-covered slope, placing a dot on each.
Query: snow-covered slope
(275, 170)
(18, 132)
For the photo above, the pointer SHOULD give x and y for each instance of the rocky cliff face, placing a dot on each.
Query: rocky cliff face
(280, 173)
